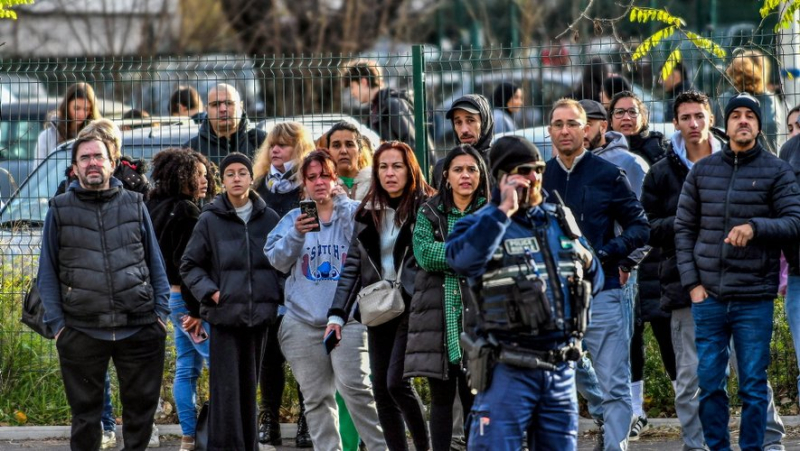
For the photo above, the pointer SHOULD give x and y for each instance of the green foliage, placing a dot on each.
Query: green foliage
(787, 16)
(5, 5)
(676, 24)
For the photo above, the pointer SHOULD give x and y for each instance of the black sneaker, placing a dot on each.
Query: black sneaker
(269, 430)
(600, 442)
(638, 426)
(303, 438)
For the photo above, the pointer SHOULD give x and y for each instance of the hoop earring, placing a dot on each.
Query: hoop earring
(447, 185)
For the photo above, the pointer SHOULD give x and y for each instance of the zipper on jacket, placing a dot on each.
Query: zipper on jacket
(249, 272)
(108, 268)
(727, 218)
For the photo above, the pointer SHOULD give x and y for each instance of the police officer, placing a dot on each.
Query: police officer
(532, 277)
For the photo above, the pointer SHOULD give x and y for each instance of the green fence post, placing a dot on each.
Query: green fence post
(421, 130)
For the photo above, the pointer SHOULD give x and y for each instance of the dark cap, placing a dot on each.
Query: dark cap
(465, 105)
(594, 109)
(236, 157)
(743, 100)
(509, 152)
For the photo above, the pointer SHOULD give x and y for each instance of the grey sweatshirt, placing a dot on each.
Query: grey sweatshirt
(313, 262)
(616, 152)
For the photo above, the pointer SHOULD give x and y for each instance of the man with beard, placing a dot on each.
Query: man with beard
(227, 128)
(600, 196)
(737, 208)
(104, 289)
(473, 124)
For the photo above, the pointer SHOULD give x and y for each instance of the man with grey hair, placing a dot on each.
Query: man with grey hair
(227, 129)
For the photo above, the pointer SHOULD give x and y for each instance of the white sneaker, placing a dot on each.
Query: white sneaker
(109, 440)
(155, 441)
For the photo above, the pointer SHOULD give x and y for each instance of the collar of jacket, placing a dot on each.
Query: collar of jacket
(208, 132)
(729, 156)
(222, 206)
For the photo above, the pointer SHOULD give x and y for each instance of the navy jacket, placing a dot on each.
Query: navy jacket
(725, 190)
(474, 239)
(600, 196)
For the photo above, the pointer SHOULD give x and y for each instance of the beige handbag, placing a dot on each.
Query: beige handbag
(382, 301)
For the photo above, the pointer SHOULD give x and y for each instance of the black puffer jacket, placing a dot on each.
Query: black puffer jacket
(652, 147)
(224, 254)
(660, 193)
(363, 263)
(726, 190)
(790, 153)
(174, 219)
(246, 140)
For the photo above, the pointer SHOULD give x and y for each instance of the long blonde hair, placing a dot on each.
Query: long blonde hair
(290, 133)
(749, 71)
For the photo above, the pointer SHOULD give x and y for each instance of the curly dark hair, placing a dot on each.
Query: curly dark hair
(174, 169)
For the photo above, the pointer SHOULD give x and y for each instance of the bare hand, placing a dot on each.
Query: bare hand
(305, 223)
(740, 235)
(215, 297)
(335, 327)
(698, 294)
(624, 276)
(338, 190)
(191, 324)
(509, 197)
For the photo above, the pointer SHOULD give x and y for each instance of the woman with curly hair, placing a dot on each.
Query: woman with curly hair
(75, 111)
(182, 177)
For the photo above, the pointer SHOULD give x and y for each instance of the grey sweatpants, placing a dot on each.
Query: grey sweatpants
(320, 375)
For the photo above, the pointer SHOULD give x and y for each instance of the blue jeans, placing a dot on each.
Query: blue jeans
(608, 341)
(188, 365)
(750, 325)
(541, 403)
(792, 307)
(108, 420)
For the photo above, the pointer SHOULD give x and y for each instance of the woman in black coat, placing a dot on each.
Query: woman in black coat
(380, 248)
(226, 270)
(435, 319)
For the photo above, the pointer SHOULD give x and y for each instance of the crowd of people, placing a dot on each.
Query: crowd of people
(268, 249)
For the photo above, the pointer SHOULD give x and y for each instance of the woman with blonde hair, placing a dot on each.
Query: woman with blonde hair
(276, 164)
(76, 110)
(750, 71)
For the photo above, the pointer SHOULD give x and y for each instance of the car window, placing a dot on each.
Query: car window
(18, 139)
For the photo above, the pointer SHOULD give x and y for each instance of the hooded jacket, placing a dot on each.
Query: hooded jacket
(616, 152)
(246, 140)
(484, 140)
(660, 194)
(726, 190)
(224, 254)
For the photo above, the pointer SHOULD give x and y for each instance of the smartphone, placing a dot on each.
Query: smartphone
(330, 341)
(199, 337)
(309, 207)
(523, 192)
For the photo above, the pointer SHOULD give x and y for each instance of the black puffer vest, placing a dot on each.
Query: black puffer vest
(105, 280)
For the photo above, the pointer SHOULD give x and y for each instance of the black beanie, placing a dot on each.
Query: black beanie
(743, 100)
(236, 157)
(509, 152)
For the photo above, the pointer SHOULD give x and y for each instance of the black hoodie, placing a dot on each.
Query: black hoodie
(487, 131)
(246, 140)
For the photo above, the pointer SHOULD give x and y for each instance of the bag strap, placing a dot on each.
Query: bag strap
(402, 264)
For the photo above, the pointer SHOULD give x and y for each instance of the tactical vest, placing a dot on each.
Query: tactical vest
(104, 277)
(521, 291)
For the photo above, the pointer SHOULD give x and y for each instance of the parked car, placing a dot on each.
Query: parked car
(22, 217)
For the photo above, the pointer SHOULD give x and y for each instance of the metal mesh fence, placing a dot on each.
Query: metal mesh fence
(314, 91)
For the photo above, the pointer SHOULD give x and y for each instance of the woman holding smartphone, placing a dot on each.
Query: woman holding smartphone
(238, 289)
(181, 177)
(434, 351)
(380, 247)
(313, 261)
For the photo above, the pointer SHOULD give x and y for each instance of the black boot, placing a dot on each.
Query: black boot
(269, 429)
(303, 439)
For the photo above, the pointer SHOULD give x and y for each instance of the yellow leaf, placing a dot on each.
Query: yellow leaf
(673, 59)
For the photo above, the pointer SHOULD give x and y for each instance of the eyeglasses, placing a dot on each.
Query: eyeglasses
(227, 103)
(526, 169)
(558, 125)
(619, 113)
(86, 159)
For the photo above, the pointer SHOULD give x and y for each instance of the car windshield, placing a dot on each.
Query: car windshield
(18, 139)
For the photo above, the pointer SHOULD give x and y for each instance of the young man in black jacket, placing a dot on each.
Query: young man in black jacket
(601, 197)
(736, 208)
